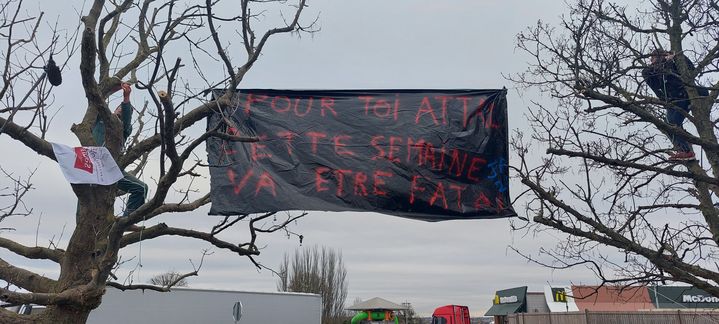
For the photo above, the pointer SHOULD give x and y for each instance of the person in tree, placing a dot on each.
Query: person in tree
(662, 76)
(129, 183)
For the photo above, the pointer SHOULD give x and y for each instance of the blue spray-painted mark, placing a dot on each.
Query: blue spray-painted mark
(498, 174)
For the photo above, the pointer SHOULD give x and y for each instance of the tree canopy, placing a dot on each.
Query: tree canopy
(320, 271)
(166, 51)
(631, 214)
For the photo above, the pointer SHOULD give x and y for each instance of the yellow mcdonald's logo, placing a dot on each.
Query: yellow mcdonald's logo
(559, 295)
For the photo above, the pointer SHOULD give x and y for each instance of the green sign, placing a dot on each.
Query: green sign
(680, 297)
(509, 301)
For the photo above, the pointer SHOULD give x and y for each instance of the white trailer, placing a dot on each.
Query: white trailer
(186, 305)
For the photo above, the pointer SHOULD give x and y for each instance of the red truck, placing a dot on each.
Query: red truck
(451, 314)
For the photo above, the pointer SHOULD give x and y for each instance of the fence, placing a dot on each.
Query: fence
(588, 317)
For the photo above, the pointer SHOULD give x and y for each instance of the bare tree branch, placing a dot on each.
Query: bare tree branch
(25, 279)
(31, 252)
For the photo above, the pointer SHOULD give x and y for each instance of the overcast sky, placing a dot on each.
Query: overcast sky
(368, 44)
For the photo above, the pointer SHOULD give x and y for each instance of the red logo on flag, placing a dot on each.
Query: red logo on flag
(82, 160)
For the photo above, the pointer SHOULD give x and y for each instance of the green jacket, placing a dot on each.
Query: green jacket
(98, 131)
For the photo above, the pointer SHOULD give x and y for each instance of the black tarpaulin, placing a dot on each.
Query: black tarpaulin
(424, 154)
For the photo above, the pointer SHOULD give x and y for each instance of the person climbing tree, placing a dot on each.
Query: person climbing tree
(662, 76)
(129, 183)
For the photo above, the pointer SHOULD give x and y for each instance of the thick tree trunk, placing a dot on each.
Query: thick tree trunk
(85, 250)
(62, 315)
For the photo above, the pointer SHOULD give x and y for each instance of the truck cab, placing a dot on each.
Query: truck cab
(451, 314)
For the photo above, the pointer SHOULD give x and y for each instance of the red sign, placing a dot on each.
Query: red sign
(82, 160)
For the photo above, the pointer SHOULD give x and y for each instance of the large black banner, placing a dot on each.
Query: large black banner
(424, 154)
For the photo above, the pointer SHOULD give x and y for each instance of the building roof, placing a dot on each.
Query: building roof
(612, 298)
(509, 301)
(559, 299)
(376, 303)
(504, 309)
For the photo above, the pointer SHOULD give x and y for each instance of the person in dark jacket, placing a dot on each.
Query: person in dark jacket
(129, 183)
(662, 76)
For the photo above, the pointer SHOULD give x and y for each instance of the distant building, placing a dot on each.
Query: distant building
(508, 301)
(559, 299)
(682, 297)
(536, 303)
(578, 303)
(612, 298)
(376, 310)
(185, 305)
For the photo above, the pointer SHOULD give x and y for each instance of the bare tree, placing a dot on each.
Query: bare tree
(12, 193)
(169, 279)
(320, 271)
(631, 214)
(409, 316)
(131, 41)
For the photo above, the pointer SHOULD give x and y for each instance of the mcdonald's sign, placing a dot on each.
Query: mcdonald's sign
(559, 295)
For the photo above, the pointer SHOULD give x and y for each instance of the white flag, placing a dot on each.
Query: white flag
(87, 164)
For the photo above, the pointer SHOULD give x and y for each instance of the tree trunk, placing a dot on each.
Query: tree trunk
(62, 315)
(80, 267)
